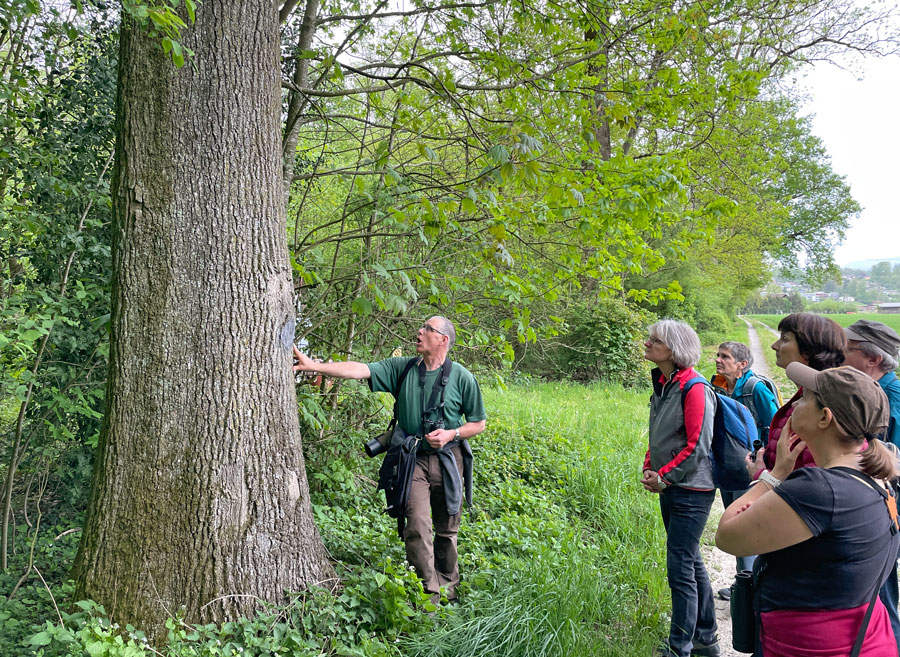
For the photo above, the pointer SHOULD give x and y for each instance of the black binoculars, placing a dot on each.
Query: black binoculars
(430, 425)
(757, 444)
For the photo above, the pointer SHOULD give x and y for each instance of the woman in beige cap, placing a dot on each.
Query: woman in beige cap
(823, 534)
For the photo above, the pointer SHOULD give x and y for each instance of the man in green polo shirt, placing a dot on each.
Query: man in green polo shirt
(436, 487)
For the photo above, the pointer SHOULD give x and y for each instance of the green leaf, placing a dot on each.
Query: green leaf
(498, 154)
(96, 649)
(40, 639)
(361, 306)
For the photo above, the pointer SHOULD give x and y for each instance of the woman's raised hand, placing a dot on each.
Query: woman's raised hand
(787, 451)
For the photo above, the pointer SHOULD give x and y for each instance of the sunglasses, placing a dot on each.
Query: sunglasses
(431, 329)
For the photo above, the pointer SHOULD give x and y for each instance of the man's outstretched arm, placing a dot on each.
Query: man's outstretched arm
(349, 369)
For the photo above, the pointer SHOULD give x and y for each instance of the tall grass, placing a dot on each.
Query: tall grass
(567, 557)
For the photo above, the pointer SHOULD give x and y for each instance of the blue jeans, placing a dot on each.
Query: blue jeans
(684, 514)
(729, 496)
(889, 598)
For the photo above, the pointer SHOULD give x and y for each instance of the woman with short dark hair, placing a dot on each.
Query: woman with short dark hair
(812, 340)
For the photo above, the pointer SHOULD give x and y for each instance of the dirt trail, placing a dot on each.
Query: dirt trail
(759, 359)
(721, 566)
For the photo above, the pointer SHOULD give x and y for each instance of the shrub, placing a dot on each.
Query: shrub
(602, 342)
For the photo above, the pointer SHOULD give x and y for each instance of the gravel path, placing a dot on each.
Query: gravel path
(759, 358)
(721, 566)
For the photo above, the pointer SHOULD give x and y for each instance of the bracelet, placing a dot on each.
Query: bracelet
(767, 477)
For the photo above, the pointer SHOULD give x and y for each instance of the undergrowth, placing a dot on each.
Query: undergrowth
(562, 555)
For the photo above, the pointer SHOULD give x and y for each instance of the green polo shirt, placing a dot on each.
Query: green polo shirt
(462, 397)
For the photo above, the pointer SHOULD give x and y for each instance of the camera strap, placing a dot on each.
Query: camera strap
(437, 390)
(890, 504)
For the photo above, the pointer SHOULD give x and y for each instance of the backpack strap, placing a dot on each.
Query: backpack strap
(409, 365)
(690, 383)
(747, 397)
(753, 381)
(889, 496)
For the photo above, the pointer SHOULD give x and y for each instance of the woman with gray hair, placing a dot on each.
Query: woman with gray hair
(678, 468)
(872, 348)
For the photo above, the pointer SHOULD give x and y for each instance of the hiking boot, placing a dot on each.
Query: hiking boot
(710, 650)
(724, 594)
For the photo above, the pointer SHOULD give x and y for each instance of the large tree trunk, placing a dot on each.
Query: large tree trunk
(200, 498)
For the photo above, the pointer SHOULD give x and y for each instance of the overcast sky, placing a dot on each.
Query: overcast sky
(857, 115)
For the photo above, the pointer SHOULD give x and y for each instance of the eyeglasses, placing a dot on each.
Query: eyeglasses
(653, 340)
(430, 328)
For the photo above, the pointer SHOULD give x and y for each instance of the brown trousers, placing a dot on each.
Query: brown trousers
(433, 555)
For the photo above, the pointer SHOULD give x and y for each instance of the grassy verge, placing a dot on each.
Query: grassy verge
(574, 547)
(563, 555)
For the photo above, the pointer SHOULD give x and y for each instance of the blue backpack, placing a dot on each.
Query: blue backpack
(734, 430)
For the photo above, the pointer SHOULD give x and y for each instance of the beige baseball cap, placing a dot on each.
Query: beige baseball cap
(857, 402)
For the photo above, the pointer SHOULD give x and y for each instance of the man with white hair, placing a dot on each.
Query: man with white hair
(872, 348)
(443, 457)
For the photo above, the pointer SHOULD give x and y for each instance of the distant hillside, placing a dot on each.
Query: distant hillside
(866, 265)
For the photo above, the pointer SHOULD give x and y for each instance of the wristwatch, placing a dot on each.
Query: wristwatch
(767, 477)
(456, 435)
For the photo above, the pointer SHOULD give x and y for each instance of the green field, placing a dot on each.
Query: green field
(844, 320)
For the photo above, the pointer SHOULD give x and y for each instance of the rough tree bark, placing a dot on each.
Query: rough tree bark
(199, 496)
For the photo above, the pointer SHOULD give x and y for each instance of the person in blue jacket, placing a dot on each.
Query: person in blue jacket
(735, 379)
(872, 348)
